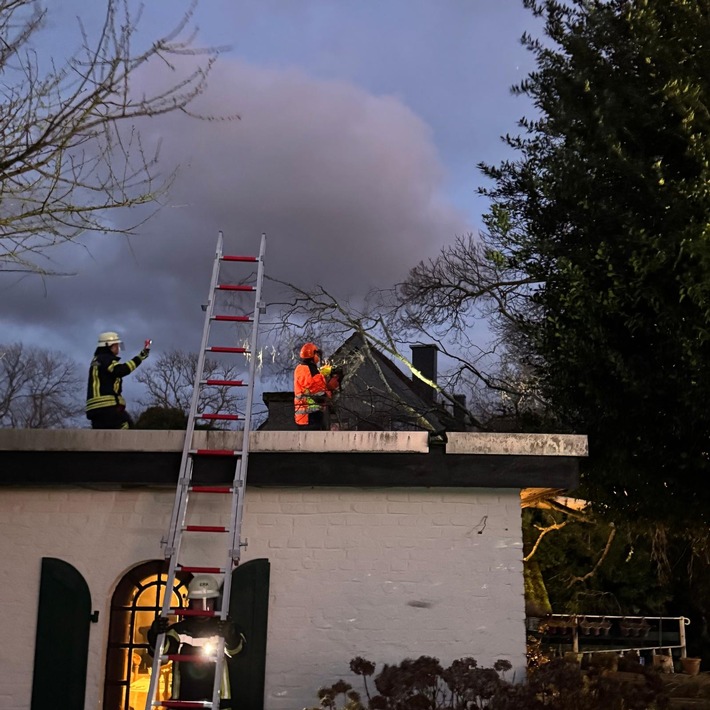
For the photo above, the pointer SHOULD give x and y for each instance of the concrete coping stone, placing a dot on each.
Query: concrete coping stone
(173, 441)
(293, 441)
(517, 444)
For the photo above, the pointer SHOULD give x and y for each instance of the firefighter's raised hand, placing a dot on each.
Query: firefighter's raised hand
(146, 349)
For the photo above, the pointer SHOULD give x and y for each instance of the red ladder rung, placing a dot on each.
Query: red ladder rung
(235, 287)
(205, 528)
(211, 489)
(234, 319)
(225, 383)
(215, 452)
(200, 570)
(183, 611)
(222, 349)
(226, 417)
(182, 704)
(239, 258)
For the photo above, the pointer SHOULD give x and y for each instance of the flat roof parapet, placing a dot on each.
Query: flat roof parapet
(291, 458)
(158, 441)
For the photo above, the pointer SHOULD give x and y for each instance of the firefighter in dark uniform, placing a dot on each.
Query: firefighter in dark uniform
(198, 636)
(105, 406)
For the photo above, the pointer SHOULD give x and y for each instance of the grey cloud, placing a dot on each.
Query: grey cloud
(347, 186)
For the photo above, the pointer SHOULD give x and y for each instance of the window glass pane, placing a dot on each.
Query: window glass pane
(147, 597)
(119, 628)
(135, 604)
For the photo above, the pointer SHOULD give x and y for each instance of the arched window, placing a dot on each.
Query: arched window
(135, 604)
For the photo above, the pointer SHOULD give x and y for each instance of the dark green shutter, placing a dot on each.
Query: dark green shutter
(249, 607)
(62, 642)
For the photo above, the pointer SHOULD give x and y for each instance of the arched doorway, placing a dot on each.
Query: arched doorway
(134, 605)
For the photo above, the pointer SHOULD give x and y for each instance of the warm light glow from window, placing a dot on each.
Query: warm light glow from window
(135, 604)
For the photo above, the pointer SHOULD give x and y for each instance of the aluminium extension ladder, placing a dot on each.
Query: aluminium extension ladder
(173, 541)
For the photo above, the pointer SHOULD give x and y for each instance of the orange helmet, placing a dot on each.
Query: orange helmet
(310, 352)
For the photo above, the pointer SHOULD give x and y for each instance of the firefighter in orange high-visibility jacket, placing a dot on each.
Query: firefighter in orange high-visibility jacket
(105, 406)
(197, 637)
(312, 389)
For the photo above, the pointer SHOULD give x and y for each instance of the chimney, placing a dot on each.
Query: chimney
(424, 360)
(279, 407)
(460, 412)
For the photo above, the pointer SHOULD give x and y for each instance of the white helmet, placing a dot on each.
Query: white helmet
(109, 338)
(203, 586)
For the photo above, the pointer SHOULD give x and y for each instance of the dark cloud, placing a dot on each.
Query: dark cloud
(347, 186)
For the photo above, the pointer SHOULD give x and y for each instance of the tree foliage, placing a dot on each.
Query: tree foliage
(594, 568)
(70, 149)
(597, 258)
(39, 389)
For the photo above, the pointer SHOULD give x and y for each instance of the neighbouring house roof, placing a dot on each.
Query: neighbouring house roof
(375, 395)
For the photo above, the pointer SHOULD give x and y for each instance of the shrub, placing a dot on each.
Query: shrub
(424, 684)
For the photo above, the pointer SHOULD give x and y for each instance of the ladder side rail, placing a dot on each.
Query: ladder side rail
(185, 464)
(174, 539)
(155, 672)
(219, 668)
(233, 553)
(253, 344)
(158, 651)
(240, 473)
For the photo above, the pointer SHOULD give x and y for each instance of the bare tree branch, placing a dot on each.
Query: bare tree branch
(494, 386)
(39, 389)
(170, 380)
(70, 149)
(543, 532)
(605, 552)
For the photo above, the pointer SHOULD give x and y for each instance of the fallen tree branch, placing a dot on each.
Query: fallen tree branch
(612, 535)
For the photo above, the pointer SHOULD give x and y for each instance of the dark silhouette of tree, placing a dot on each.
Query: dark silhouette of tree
(169, 381)
(39, 389)
(596, 263)
(162, 418)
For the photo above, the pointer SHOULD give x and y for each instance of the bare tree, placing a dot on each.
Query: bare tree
(39, 389)
(170, 379)
(71, 150)
(390, 322)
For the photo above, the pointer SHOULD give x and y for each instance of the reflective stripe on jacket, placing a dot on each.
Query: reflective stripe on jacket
(307, 384)
(105, 373)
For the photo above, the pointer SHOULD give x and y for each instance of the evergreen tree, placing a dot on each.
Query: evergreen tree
(597, 255)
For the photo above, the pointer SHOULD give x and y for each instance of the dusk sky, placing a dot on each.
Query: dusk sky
(362, 122)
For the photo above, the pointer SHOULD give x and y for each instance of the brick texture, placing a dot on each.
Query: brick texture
(381, 573)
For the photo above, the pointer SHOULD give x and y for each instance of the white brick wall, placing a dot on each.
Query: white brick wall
(382, 573)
